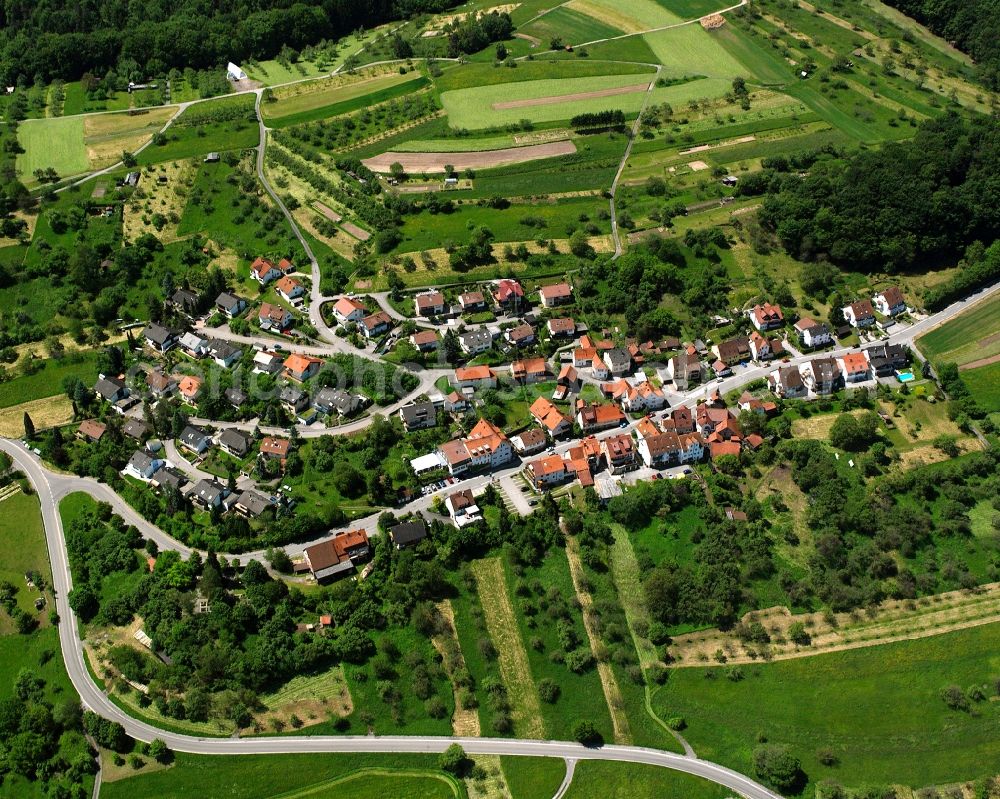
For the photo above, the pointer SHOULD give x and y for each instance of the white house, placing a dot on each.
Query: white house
(264, 271)
(235, 72)
(142, 465)
(890, 302)
(813, 334)
(348, 309)
(859, 314)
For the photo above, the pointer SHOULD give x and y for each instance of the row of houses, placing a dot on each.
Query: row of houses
(351, 311)
(826, 375)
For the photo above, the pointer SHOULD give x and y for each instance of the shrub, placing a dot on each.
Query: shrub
(548, 690)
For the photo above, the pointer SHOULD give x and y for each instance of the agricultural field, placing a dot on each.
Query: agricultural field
(973, 336)
(598, 779)
(55, 143)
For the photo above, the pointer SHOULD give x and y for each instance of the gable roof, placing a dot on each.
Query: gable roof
(474, 373)
(345, 306)
(556, 291)
(892, 296)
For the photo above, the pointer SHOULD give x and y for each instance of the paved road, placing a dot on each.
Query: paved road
(96, 700)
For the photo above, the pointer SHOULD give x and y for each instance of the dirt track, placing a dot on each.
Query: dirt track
(572, 98)
(981, 362)
(435, 162)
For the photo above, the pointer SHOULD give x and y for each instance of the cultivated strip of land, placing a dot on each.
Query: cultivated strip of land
(463, 722)
(436, 162)
(572, 98)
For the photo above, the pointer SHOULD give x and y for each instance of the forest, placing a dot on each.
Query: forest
(973, 25)
(51, 39)
(900, 207)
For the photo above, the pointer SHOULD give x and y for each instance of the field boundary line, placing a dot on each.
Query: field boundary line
(463, 722)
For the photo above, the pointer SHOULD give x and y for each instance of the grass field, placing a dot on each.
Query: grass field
(604, 780)
(467, 76)
(207, 127)
(531, 777)
(45, 413)
(632, 16)
(692, 49)
(106, 136)
(984, 383)
(56, 142)
(877, 709)
(22, 549)
(48, 381)
(573, 26)
(973, 335)
(292, 776)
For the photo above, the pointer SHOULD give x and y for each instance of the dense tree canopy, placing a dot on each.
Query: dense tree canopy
(63, 39)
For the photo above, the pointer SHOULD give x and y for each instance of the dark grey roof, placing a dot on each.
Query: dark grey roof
(193, 437)
(141, 460)
(293, 396)
(618, 358)
(207, 491)
(476, 338)
(183, 298)
(328, 400)
(227, 300)
(408, 533)
(254, 502)
(418, 412)
(235, 440)
(158, 334)
(135, 428)
(109, 387)
(220, 348)
(169, 478)
(236, 396)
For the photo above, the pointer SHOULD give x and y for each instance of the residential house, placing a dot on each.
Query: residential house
(293, 400)
(561, 327)
(425, 340)
(184, 301)
(763, 349)
(194, 440)
(376, 324)
(890, 302)
(550, 418)
(208, 494)
(521, 335)
(618, 361)
(143, 465)
(670, 449)
(418, 416)
(568, 377)
(159, 338)
(643, 397)
(472, 301)
(273, 317)
(887, 359)
(475, 377)
(110, 389)
(190, 388)
(160, 385)
(264, 271)
(508, 294)
(734, 351)
(252, 503)
(813, 334)
(91, 430)
(347, 310)
(462, 508)
(300, 367)
(787, 382)
(331, 401)
(168, 479)
(530, 370)
(618, 452)
(856, 367)
(766, 317)
(430, 303)
(136, 429)
(337, 556)
(236, 397)
(486, 446)
(407, 534)
(684, 369)
(475, 341)
(859, 314)
(275, 448)
(289, 289)
(193, 345)
(595, 416)
(748, 402)
(722, 369)
(224, 353)
(456, 403)
(599, 369)
(825, 375)
(235, 442)
(230, 305)
(558, 294)
(267, 363)
(547, 471)
(584, 357)
(530, 441)
(285, 266)
(680, 420)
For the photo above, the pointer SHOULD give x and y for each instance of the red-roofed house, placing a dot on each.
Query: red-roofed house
(289, 288)
(475, 377)
(594, 417)
(856, 367)
(301, 367)
(264, 271)
(890, 302)
(508, 293)
(766, 317)
(347, 310)
(531, 370)
(557, 294)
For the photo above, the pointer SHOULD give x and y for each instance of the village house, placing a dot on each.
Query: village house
(194, 440)
(425, 340)
(530, 441)
(289, 289)
(568, 377)
(594, 417)
(619, 453)
(812, 334)
(547, 471)
(474, 342)
(472, 301)
(508, 294)
(887, 359)
(275, 448)
(136, 429)
(561, 327)
(224, 353)
(734, 351)
(618, 361)
(235, 442)
(267, 363)
(252, 503)
(159, 338)
(856, 368)
(230, 305)
(160, 385)
(554, 295)
(824, 375)
(859, 314)
(184, 301)
(264, 271)
(337, 402)
(110, 389)
(91, 430)
(208, 494)
(338, 555)
(236, 397)
(643, 397)
(407, 534)
(418, 416)
(680, 420)
(787, 382)
(748, 402)
(553, 421)
(193, 345)
(293, 400)
(766, 317)
(475, 377)
(143, 465)
(273, 317)
(520, 335)
(301, 367)
(763, 349)
(430, 303)
(377, 324)
(531, 370)
(684, 369)
(347, 310)
(462, 508)
(584, 357)
(190, 388)
(455, 403)
(486, 446)
(890, 302)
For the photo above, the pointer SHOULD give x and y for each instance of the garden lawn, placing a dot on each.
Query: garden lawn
(48, 382)
(56, 142)
(598, 779)
(973, 335)
(691, 50)
(360, 776)
(877, 709)
(531, 777)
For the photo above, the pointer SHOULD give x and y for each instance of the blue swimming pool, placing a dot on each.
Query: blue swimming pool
(904, 377)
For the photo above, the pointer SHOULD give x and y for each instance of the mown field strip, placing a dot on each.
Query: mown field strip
(628, 580)
(571, 98)
(612, 693)
(477, 159)
(463, 722)
(512, 656)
